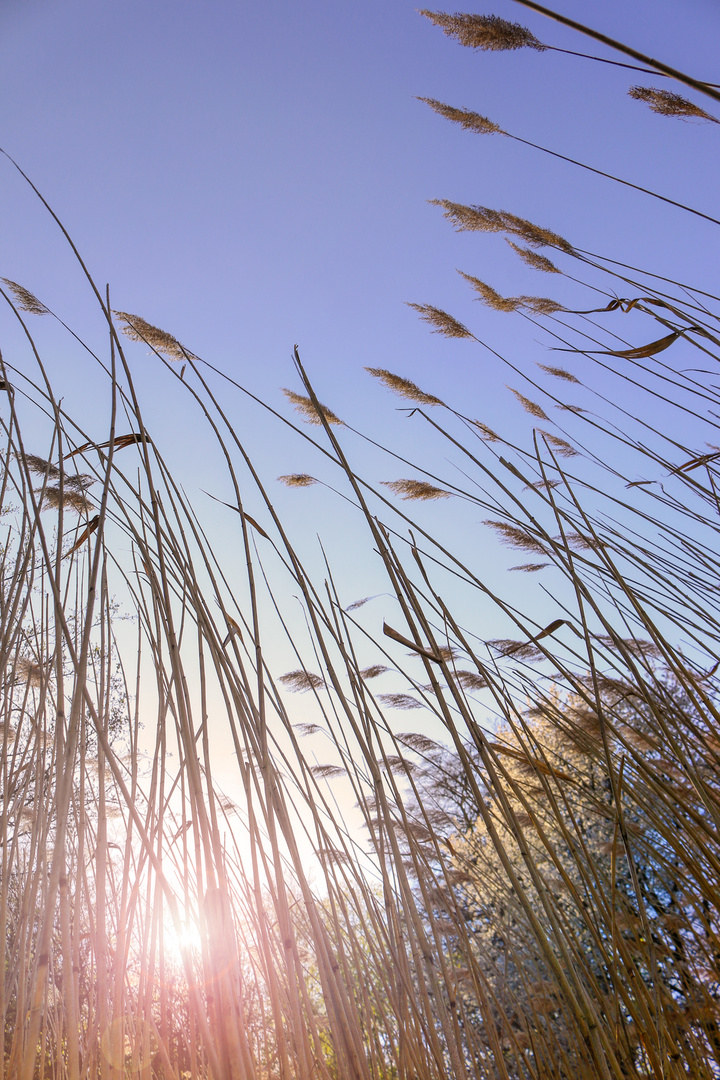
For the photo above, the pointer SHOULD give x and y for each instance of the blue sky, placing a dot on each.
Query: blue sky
(252, 176)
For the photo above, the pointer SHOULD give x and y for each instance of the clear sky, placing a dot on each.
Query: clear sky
(251, 176)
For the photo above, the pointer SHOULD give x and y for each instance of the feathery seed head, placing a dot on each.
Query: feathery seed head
(441, 321)
(420, 743)
(28, 671)
(25, 299)
(471, 121)
(668, 104)
(471, 218)
(298, 681)
(325, 771)
(483, 219)
(39, 465)
(373, 671)
(486, 432)
(561, 447)
(488, 295)
(79, 481)
(487, 32)
(137, 329)
(520, 650)
(470, 680)
(400, 701)
(535, 235)
(68, 499)
(559, 373)
(529, 406)
(541, 305)
(403, 387)
(308, 411)
(415, 489)
(534, 259)
(516, 537)
(297, 480)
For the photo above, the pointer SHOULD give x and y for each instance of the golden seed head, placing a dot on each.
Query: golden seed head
(487, 32)
(415, 489)
(516, 537)
(25, 299)
(486, 432)
(559, 373)
(488, 295)
(297, 480)
(529, 406)
(137, 329)
(560, 446)
(482, 219)
(668, 104)
(403, 387)
(534, 259)
(541, 305)
(305, 406)
(441, 322)
(471, 121)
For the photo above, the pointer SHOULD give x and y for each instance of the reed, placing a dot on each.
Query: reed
(530, 893)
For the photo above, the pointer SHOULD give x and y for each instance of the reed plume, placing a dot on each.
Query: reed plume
(54, 497)
(400, 701)
(299, 681)
(487, 32)
(416, 489)
(529, 406)
(403, 387)
(559, 373)
(482, 219)
(471, 121)
(25, 299)
(535, 259)
(441, 322)
(541, 305)
(666, 103)
(138, 329)
(307, 409)
(515, 536)
(297, 480)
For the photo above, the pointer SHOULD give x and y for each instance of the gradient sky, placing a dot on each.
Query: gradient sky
(251, 176)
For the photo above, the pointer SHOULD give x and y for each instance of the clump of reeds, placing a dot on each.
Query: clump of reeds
(531, 893)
